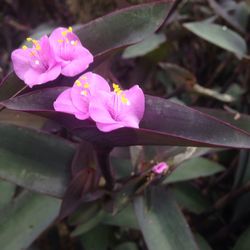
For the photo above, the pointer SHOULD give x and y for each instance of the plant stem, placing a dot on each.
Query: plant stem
(104, 165)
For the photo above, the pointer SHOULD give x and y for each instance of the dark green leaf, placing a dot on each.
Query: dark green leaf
(7, 191)
(161, 222)
(220, 36)
(99, 238)
(124, 218)
(202, 243)
(89, 224)
(243, 242)
(149, 44)
(190, 198)
(23, 220)
(35, 160)
(194, 168)
(127, 246)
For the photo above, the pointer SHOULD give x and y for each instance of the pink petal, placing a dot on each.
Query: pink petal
(95, 83)
(81, 58)
(136, 98)
(33, 77)
(80, 102)
(64, 104)
(160, 168)
(109, 112)
(20, 60)
(73, 58)
(99, 109)
(105, 127)
(36, 67)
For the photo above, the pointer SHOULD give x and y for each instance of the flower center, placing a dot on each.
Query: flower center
(34, 51)
(84, 86)
(120, 93)
(65, 39)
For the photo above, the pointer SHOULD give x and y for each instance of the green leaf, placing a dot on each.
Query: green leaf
(7, 191)
(88, 225)
(98, 238)
(23, 220)
(35, 160)
(243, 241)
(162, 224)
(84, 212)
(127, 246)
(124, 218)
(194, 168)
(202, 243)
(220, 36)
(190, 198)
(140, 49)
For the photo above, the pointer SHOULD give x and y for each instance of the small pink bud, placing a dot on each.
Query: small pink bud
(160, 168)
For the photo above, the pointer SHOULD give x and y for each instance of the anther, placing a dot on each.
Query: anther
(86, 85)
(84, 92)
(78, 83)
(24, 47)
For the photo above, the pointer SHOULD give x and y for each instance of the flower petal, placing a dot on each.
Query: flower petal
(81, 58)
(69, 51)
(36, 65)
(34, 77)
(85, 87)
(106, 127)
(20, 60)
(112, 110)
(64, 104)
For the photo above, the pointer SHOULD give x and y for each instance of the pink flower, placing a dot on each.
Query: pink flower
(160, 168)
(36, 65)
(117, 109)
(69, 51)
(76, 100)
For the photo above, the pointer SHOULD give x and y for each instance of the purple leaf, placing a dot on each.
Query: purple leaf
(164, 123)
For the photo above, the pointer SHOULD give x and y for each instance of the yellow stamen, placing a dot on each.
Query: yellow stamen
(29, 39)
(119, 92)
(70, 29)
(86, 85)
(64, 33)
(60, 40)
(24, 47)
(84, 92)
(32, 53)
(38, 47)
(125, 100)
(78, 83)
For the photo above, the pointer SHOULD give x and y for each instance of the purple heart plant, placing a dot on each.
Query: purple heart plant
(88, 142)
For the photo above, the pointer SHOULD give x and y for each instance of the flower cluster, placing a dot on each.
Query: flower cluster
(60, 53)
(90, 97)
